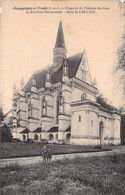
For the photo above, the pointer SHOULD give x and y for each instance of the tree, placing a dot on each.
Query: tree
(5, 134)
(119, 69)
(1, 114)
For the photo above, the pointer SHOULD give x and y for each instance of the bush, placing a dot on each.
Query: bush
(16, 140)
(5, 134)
(12, 167)
(98, 147)
(30, 141)
(44, 141)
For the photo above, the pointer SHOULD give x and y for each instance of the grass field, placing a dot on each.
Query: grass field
(89, 176)
(21, 149)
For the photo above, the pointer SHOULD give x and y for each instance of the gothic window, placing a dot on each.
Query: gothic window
(29, 109)
(44, 107)
(83, 97)
(59, 106)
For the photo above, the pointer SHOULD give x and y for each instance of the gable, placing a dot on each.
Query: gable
(83, 72)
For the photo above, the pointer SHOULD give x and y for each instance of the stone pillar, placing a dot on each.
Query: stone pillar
(65, 115)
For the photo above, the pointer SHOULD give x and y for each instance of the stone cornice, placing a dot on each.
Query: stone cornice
(83, 86)
(76, 103)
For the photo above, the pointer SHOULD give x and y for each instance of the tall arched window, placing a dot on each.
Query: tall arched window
(59, 106)
(44, 107)
(29, 108)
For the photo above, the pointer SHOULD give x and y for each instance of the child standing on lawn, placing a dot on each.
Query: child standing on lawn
(49, 154)
(44, 153)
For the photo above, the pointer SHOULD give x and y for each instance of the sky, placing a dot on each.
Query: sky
(27, 42)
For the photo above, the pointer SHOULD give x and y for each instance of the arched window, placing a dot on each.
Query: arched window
(44, 107)
(29, 108)
(83, 97)
(59, 106)
(24, 137)
(68, 136)
(51, 137)
(36, 137)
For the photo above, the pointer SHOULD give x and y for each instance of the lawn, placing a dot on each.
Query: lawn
(79, 176)
(21, 149)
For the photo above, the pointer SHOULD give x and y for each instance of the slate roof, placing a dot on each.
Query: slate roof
(38, 130)
(56, 72)
(68, 129)
(26, 130)
(53, 129)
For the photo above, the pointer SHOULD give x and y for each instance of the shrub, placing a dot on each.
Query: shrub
(12, 167)
(16, 140)
(5, 134)
(98, 147)
(30, 141)
(44, 141)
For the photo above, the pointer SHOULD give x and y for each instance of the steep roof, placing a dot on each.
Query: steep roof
(26, 130)
(38, 130)
(68, 129)
(60, 41)
(53, 129)
(56, 72)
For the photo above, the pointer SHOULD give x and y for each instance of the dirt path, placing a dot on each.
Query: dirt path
(33, 160)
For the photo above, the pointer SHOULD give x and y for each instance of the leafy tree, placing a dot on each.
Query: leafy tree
(5, 134)
(119, 69)
(1, 114)
(104, 104)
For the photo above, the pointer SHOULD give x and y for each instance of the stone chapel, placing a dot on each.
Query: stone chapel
(60, 103)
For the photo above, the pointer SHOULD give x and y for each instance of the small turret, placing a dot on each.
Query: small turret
(33, 86)
(22, 92)
(48, 79)
(33, 81)
(65, 71)
(22, 85)
(94, 83)
(14, 90)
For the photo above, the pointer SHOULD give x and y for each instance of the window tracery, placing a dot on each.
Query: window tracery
(83, 97)
(59, 106)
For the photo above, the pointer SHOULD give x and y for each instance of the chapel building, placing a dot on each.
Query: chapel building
(60, 103)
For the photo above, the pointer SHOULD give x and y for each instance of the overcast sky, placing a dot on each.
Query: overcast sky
(28, 41)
